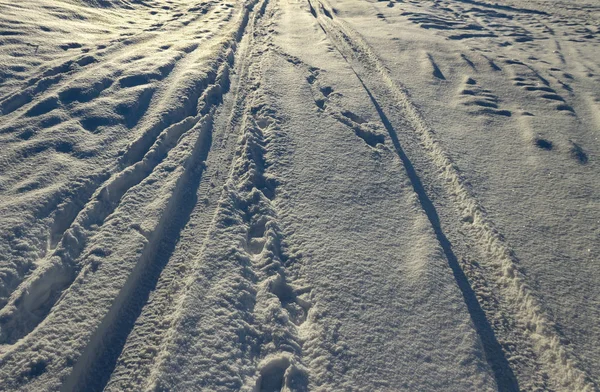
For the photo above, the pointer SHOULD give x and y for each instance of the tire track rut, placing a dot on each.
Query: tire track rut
(269, 305)
(64, 263)
(186, 145)
(133, 366)
(98, 361)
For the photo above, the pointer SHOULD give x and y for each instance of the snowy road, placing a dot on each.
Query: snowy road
(299, 195)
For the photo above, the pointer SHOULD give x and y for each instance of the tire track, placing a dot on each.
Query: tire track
(503, 372)
(559, 365)
(274, 305)
(192, 147)
(505, 379)
(134, 367)
(98, 361)
(38, 294)
(92, 371)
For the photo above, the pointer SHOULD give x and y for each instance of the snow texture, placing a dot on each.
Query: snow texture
(299, 195)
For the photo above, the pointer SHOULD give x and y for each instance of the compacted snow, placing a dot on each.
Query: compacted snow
(299, 195)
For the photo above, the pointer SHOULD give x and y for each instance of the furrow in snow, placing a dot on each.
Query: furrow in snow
(93, 368)
(174, 185)
(35, 298)
(98, 361)
(264, 301)
(140, 352)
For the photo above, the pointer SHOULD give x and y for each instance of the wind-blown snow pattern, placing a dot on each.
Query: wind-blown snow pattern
(299, 195)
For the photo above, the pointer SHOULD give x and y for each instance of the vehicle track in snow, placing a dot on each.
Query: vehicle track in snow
(518, 319)
(135, 364)
(177, 162)
(271, 301)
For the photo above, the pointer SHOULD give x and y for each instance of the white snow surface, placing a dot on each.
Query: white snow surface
(299, 195)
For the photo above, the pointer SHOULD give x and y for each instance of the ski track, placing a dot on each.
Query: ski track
(166, 217)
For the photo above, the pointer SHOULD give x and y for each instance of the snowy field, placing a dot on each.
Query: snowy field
(299, 195)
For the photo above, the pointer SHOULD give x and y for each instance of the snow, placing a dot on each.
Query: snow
(299, 195)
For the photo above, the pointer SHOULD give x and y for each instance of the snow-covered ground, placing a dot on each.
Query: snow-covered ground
(299, 195)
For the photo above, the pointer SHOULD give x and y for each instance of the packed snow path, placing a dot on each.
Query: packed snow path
(299, 195)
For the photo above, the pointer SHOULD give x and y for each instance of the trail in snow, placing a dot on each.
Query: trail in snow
(294, 195)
